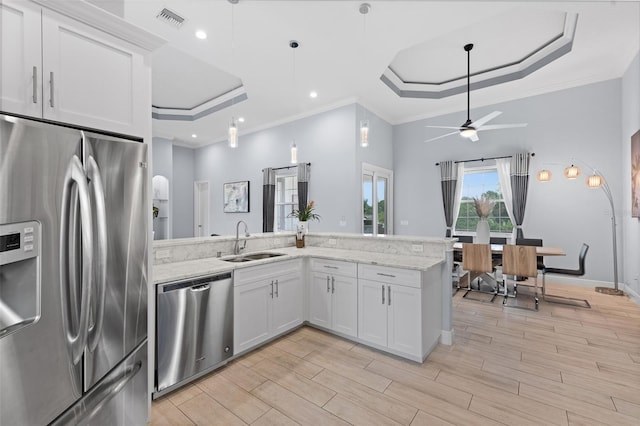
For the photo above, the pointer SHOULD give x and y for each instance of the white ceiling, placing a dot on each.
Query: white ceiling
(343, 53)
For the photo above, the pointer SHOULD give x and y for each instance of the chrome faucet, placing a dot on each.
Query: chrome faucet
(236, 247)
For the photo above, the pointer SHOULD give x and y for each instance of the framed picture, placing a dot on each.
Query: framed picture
(236, 197)
(635, 174)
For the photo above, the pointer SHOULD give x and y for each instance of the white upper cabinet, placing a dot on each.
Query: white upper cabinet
(57, 68)
(21, 63)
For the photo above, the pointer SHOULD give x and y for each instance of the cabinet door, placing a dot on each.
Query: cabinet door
(345, 305)
(287, 303)
(405, 321)
(92, 79)
(320, 300)
(372, 312)
(251, 315)
(20, 64)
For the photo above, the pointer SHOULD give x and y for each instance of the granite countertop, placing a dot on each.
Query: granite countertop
(163, 273)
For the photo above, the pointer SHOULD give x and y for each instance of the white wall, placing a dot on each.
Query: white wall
(630, 226)
(582, 122)
(326, 140)
(182, 199)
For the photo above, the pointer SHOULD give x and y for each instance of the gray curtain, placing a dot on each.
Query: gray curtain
(519, 187)
(303, 184)
(268, 199)
(448, 181)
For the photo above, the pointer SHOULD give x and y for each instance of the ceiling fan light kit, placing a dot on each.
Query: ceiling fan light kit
(469, 129)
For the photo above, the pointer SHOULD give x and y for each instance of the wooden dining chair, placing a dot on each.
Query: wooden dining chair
(520, 261)
(458, 272)
(476, 260)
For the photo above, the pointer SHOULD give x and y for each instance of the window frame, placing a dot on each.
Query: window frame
(481, 169)
(287, 173)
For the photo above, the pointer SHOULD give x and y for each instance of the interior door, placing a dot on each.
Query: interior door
(122, 168)
(201, 209)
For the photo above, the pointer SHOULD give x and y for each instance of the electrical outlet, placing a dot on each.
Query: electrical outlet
(417, 248)
(163, 254)
(332, 242)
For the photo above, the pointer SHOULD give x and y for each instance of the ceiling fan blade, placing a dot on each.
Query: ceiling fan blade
(479, 122)
(445, 127)
(474, 138)
(502, 126)
(441, 136)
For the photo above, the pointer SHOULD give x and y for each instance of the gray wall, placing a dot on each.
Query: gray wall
(327, 140)
(582, 122)
(183, 178)
(630, 226)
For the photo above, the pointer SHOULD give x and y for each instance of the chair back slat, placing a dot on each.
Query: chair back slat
(519, 260)
(476, 257)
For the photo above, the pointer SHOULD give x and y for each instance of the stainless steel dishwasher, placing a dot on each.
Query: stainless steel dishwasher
(194, 329)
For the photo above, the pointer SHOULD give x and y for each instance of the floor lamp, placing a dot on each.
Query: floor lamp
(595, 180)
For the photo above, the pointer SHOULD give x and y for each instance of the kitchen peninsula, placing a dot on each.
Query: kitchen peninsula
(390, 293)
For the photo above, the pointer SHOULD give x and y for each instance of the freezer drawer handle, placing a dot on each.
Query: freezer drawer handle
(100, 288)
(75, 184)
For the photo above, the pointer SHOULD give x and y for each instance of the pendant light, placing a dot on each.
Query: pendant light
(364, 123)
(293, 44)
(294, 153)
(232, 132)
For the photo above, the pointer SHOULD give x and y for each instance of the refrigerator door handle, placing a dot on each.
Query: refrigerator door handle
(75, 177)
(100, 265)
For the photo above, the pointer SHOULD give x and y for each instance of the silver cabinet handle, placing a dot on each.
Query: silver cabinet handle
(333, 285)
(34, 78)
(95, 184)
(271, 294)
(75, 180)
(389, 295)
(386, 275)
(277, 289)
(51, 103)
(383, 294)
(331, 267)
(328, 289)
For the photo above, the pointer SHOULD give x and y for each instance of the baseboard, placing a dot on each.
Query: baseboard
(446, 337)
(632, 294)
(580, 282)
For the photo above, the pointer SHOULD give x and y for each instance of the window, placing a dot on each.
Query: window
(480, 181)
(286, 202)
(377, 190)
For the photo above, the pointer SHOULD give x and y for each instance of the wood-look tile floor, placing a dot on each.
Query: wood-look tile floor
(562, 365)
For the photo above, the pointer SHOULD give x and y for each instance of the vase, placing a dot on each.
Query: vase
(303, 226)
(482, 232)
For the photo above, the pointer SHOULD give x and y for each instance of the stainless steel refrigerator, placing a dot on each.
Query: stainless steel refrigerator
(73, 276)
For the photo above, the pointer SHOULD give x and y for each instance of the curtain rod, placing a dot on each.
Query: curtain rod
(286, 167)
(533, 154)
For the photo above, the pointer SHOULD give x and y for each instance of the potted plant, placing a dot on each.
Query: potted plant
(484, 207)
(304, 215)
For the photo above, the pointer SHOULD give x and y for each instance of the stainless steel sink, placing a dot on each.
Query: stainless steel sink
(252, 256)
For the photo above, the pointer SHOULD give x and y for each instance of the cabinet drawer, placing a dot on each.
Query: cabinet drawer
(335, 267)
(407, 277)
(278, 268)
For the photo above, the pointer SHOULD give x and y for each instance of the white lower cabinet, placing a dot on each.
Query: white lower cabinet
(333, 296)
(390, 313)
(267, 302)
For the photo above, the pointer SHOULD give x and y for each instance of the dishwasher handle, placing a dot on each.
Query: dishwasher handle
(196, 284)
(202, 287)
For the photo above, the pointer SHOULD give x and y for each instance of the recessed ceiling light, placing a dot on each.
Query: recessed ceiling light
(241, 119)
(194, 135)
(313, 94)
(201, 34)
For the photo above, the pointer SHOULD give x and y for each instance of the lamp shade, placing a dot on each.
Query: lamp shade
(364, 133)
(233, 134)
(544, 175)
(572, 172)
(294, 153)
(594, 181)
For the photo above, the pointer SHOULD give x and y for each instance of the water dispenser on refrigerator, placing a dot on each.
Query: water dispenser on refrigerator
(19, 276)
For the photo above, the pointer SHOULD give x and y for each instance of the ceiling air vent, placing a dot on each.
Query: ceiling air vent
(170, 17)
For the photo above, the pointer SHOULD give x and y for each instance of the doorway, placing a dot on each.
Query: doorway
(201, 209)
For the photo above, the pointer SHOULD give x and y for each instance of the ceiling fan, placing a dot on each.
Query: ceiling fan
(469, 129)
